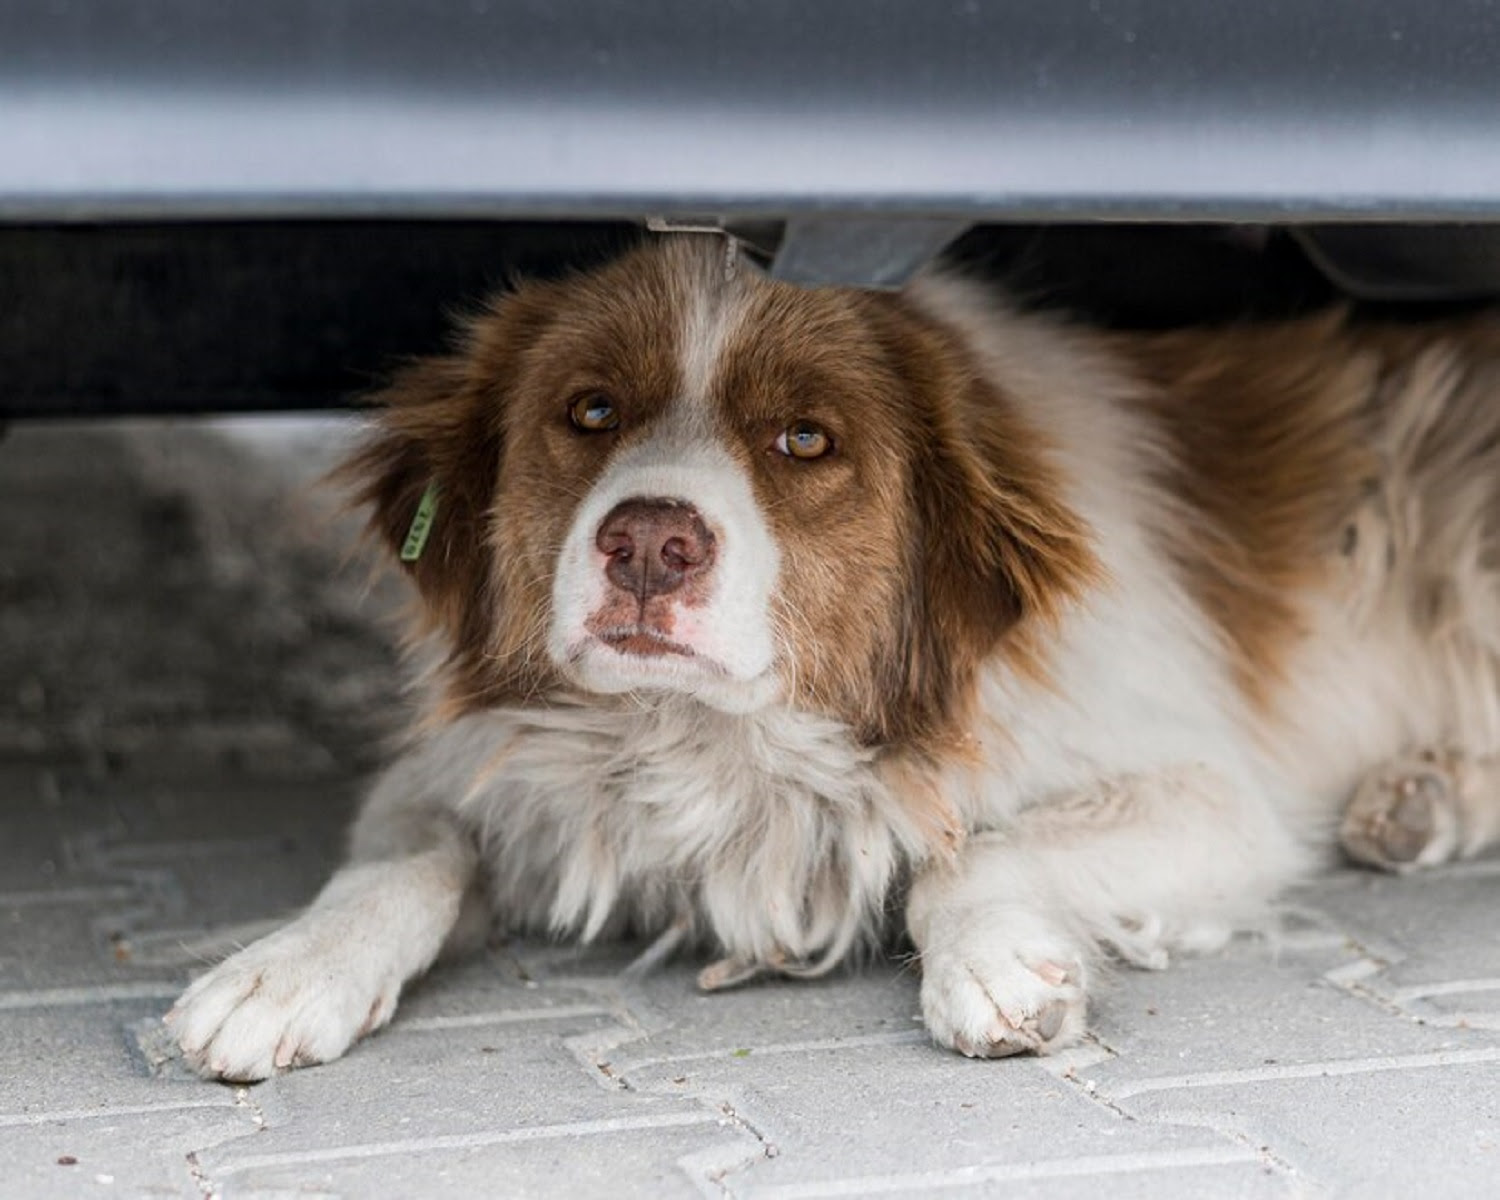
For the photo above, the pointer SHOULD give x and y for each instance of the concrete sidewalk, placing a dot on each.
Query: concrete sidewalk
(188, 697)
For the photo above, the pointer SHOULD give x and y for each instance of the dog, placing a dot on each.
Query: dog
(776, 623)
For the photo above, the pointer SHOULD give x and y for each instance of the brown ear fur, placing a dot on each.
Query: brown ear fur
(441, 423)
(433, 430)
(999, 552)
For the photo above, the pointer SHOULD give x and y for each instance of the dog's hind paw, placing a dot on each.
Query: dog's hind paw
(1404, 815)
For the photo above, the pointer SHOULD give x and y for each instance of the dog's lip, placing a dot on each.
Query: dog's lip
(651, 650)
(643, 642)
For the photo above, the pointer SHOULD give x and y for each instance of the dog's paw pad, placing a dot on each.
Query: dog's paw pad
(996, 1004)
(1017, 1033)
(1403, 816)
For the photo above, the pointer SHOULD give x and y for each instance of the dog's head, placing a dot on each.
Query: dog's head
(663, 477)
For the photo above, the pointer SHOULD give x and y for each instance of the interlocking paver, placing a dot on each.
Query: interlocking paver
(582, 1160)
(901, 1113)
(1398, 1129)
(187, 696)
(451, 1092)
(1250, 1009)
(140, 1154)
(1421, 955)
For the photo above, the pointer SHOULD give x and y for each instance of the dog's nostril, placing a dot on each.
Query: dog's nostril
(679, 552)
(616, 544)
(654, 546)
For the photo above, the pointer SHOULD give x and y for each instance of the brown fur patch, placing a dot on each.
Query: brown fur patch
(488, 424)
(933, 538)
(1265, 428)
(434, 429)
(937, 816)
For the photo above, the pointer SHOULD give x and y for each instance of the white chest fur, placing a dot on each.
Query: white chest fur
(773, 831)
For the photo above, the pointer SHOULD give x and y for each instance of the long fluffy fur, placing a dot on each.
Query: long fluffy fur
(1085, 644)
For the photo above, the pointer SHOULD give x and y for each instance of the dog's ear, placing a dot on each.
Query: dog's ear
(998, 554)
(427, 477)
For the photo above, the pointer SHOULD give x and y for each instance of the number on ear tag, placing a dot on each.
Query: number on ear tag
(421, 525)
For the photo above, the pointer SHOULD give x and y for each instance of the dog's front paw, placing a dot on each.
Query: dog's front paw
(988, 996)
(302, 995)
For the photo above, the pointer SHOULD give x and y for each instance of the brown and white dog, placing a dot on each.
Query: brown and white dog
(756, 608)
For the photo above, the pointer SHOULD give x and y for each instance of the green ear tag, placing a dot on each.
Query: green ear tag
(421, 525)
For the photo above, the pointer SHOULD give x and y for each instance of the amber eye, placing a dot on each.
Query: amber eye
(594, 412)
(804, 440)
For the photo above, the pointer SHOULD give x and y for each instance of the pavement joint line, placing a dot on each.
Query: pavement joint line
(1354, 980)
(244, 1098)
(1094, 1052)
(1023, 1172)
(103, 855)
(709, 1169)
(1356, 972)
(718, 1173)
(594, 1049)
(1311, 1070)
(205, 947)
(1481, 868)
(103, 993)
(1453, 987)
(467, 1141)
(1214, 1123)
(1079, 1057)
(859, 1041)
(1462, 1020)
(502, 1017)
(73, 895)
(200, 1178)
(1306, 941)
(13, 1120)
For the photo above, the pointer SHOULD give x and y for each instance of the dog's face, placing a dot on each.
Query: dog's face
(662, 478)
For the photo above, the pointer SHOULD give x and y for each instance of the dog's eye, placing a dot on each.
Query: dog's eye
(803, 440)
(594, 413)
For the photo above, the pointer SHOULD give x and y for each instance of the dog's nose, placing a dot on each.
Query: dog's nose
(654, 546)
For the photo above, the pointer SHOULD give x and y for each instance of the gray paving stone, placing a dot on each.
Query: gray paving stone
(581, 1160)
(1249, 1008)
(139, 1154)
(1419, 951)
(62, 945)
(1400, 1127)
(1132, 1177)
(70, 1055)
(485, 989)
(878, 1003)
(848, 1118)
(470, 1097)
(36, 814)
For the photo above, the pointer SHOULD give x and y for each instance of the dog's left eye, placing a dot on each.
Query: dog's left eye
(594, 413)
(803, 440)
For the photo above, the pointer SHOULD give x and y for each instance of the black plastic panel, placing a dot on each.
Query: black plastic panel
(218, 317)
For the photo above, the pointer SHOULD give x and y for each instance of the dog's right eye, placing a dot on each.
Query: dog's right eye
(594, 413)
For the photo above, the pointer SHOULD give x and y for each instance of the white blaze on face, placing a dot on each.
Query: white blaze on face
(724, 625)
(713, 638)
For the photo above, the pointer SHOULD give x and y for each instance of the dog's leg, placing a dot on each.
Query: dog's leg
(1424, 809)
(303, 994)
(1009, 934)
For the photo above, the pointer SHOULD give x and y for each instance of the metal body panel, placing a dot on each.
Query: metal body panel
(967, 109)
